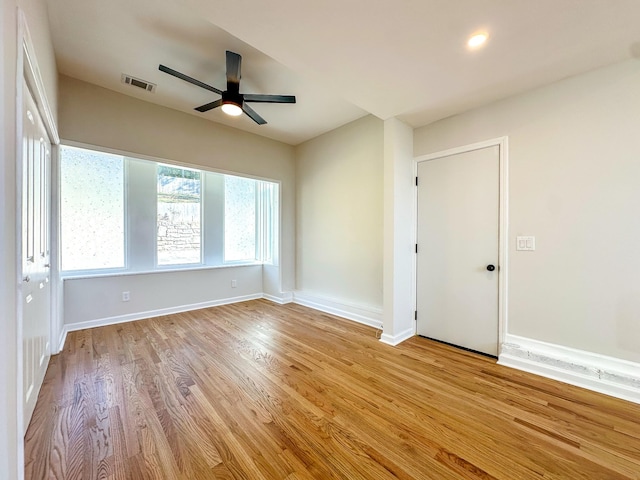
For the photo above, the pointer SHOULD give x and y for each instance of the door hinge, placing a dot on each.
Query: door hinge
(416, 181)
(415, 315)
(416, 248)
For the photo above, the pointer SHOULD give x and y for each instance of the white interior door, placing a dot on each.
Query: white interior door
(458, 245)
(36, 286)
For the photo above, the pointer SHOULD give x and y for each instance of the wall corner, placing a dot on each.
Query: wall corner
(399, 232)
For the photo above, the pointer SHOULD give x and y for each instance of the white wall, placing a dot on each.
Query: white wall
(339, 214)
(97, 300)
(123, 123)
(399, 233)
(35, 12)
(574, 183)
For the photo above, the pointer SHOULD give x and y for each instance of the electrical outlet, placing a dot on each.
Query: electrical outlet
(234, 283)
(125, 296)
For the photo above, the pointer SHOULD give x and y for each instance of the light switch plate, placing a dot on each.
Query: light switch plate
(526, 244)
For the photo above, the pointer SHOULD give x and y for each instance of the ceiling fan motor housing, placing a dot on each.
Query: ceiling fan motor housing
(232, 97)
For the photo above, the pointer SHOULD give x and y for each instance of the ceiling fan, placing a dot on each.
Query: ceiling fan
(232, 102)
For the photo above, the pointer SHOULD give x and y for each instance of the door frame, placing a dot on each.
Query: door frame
(503, 222)
(27, 71)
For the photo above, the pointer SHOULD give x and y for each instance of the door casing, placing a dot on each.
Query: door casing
(503, 222)
(36, 252)
(27, 71)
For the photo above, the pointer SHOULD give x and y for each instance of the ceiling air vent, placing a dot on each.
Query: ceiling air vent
(137, 82)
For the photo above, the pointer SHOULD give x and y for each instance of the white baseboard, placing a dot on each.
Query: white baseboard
(394, 340)
(70, 327)
(600, 373)
(61, 340)
(367, 315)
(283, 298)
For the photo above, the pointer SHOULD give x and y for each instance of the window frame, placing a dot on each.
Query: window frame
(256, 231)
(205, 243)
(200, 262)
(125, 201)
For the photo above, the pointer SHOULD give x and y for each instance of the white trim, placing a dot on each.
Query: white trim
(367, 315)
(503, 223)
(503, 246)
(27, 71)
(394, 340)
(611, 376)
(28, 64)
(130, 317)
(20, 79)
(57, 296)
(62, 339)
(282, 299)
(462, 149)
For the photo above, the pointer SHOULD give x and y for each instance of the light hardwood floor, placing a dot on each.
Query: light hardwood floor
(261, 391)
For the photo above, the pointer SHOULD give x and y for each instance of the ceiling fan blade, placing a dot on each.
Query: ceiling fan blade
(253, 97)
(186, 78)
(209, 106)
(234, 61)
(253, 115)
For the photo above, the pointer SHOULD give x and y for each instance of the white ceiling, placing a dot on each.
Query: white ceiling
(341, 58)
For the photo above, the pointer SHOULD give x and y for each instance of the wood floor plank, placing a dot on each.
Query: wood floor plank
(256, 390)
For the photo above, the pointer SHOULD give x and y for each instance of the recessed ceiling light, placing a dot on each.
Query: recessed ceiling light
(477, 40)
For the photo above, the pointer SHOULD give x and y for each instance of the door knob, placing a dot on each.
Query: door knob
(491, 268)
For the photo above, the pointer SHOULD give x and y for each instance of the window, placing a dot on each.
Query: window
(178, 211)
(239, 219)
(91, 209)
(136, 215)
(268, 221)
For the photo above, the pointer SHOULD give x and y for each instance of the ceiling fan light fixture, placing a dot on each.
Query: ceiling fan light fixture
(231, 108)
